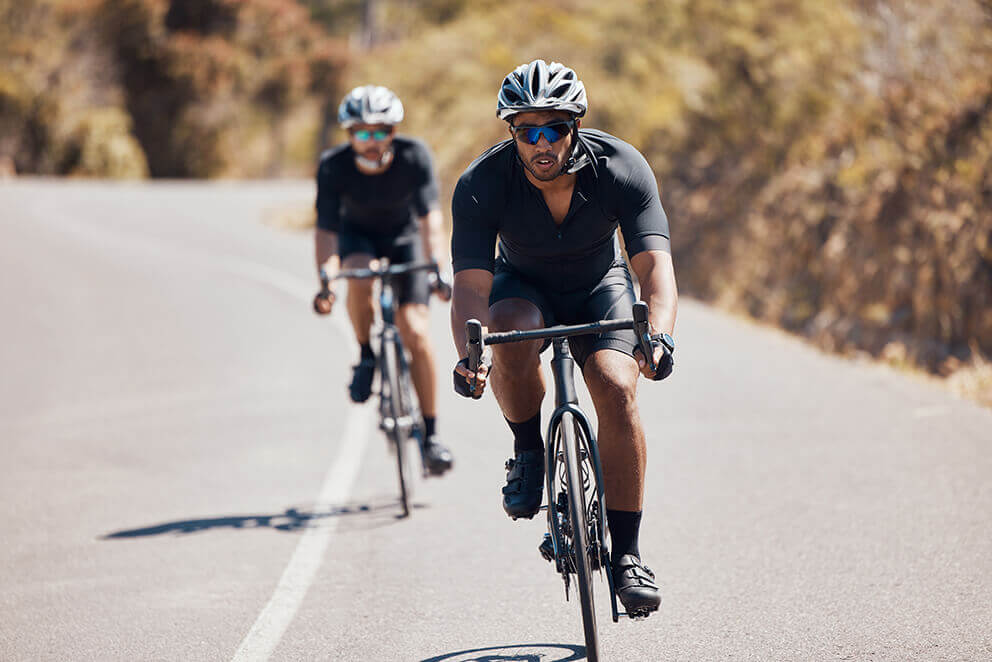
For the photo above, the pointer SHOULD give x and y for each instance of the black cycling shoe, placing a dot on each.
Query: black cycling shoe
(361, 380)
(524, 487)
(437, 457)
(635, 586)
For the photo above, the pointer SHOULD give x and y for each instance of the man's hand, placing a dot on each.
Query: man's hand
(663, 360)
(323, 302)
(464, 379)
(440, 282)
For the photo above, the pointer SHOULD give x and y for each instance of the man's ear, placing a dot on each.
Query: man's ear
(578, 123)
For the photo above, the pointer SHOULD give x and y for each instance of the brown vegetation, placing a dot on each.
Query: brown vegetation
(827, 166)
(173, 88)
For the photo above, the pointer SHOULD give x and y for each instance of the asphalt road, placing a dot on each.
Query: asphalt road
(182, 477)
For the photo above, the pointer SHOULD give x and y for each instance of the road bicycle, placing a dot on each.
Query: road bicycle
(576, 510)
(399, 412)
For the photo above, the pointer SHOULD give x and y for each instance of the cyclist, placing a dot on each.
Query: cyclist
(554, 195)
(377, 196)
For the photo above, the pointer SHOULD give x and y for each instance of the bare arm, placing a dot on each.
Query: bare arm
(469, 300)
(326, 251)
(431, 230)
(656, 273)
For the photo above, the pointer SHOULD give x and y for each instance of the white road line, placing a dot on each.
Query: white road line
(930, 412)
(299, 574)
(281, 608)
(271, 624)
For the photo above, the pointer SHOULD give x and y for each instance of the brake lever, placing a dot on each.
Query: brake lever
(643, 333)
(473, 330)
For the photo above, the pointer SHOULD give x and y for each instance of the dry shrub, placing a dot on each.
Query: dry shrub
(826, 166)
(59, 109)
(205, 79)
(82, 83)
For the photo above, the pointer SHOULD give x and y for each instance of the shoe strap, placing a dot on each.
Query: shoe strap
(631, 567)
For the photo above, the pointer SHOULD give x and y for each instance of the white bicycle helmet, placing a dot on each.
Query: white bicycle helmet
(370, 104)
(541, 86)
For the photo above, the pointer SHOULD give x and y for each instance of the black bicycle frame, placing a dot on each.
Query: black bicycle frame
(566, 400)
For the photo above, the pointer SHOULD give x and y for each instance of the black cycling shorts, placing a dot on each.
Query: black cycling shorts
(399, 249)
(611, 298)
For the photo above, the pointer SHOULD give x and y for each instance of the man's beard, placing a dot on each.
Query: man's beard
(374, 164)
(546, 177)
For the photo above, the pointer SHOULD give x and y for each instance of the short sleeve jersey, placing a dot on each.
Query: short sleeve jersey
(614, 188)
(384, 204)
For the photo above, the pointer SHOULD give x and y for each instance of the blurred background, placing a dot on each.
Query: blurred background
(827, 166)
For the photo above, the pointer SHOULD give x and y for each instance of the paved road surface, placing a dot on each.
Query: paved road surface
(183, 479)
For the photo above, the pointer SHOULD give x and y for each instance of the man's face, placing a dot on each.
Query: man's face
(544, 159)
(371, 141)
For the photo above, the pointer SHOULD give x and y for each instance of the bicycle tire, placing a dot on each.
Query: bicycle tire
(580, 531)
(397, 432)
(410, 411)
(411, 407)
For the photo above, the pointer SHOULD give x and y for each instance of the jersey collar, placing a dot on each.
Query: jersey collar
(582, 156)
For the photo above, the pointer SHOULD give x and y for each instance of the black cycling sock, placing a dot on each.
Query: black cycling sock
(624, 527)
(527, 435)
(430, 425)
(367, 352)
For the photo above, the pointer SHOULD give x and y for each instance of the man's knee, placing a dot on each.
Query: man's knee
(514, 314)
(413, 322)
(510, 314)
(358, 287)
(612, 379)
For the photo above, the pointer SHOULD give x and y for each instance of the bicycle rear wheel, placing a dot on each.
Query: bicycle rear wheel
(575, 486)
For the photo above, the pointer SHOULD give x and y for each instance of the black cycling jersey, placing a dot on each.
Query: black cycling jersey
(615, 187)
(384, 204)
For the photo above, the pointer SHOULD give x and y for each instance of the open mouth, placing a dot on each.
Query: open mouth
(543, 162)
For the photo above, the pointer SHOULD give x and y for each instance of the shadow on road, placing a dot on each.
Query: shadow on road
(516, 653)
(378, 512)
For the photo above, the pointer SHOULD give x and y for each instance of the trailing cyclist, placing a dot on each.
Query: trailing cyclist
(552, 197)
(377, 196)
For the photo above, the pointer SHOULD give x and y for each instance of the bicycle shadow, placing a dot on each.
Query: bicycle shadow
(375, 513)
(516, 653)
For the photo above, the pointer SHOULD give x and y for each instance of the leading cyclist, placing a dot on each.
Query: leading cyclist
(372, 194)
(554, 195)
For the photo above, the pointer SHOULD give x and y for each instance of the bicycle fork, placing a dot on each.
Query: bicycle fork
(566, 402)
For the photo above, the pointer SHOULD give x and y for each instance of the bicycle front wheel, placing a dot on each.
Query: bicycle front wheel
(575, 486)
(399, 410)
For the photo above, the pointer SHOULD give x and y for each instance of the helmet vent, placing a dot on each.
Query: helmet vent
(541, 86)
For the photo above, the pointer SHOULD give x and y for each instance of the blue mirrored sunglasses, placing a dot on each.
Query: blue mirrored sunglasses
(364, 134)
(552, 132)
